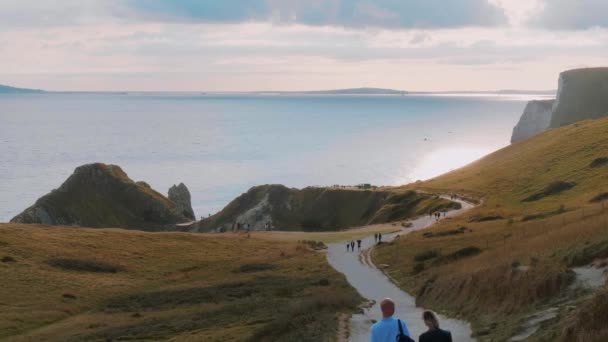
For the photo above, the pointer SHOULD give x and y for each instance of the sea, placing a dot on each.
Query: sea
(220, 145)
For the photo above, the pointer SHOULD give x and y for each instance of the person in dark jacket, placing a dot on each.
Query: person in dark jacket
(434, 334)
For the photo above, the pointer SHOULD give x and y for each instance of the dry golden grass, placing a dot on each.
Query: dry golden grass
(173, 286)
(330, 237)
(527, 251)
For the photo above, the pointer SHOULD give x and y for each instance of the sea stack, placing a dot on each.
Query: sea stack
(180, 196)
(535, 119)
(103, 196)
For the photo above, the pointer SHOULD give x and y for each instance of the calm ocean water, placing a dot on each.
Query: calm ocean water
(220, 145)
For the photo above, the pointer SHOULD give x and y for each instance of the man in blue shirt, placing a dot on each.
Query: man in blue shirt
(387, 329)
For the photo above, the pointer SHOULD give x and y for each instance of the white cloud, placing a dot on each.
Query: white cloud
(571, 14)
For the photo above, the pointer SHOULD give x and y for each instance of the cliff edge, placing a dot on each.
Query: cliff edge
(582, 94)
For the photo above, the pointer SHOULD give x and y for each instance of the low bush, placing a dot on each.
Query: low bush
(599, 162)
(587, 254)
(316, 245)
(599, 198)
(553, 188)
(249, 268)
(418, 267)
(83, 265)
(460, 230)
(485, 218)
(538, 216)
(7, 259)
(426, 255)
(459, 254)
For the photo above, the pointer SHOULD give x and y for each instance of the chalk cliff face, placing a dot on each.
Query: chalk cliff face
(318, 209)
(100, 195)
(535, 119)
(180, 196)
(582, 94)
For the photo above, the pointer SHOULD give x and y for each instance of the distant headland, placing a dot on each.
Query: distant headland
(4, 89)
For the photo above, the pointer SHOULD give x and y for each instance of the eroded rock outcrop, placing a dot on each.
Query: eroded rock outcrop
(100, 195)
(180, 196)
(535, 119)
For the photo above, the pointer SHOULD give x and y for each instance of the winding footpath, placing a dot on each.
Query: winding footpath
(372, 284)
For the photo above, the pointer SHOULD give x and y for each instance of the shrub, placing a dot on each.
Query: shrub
(8, 259)
(418, 267)
(599, 198)
(83, 265)
(249, 268)
(599, 162)
(588, 254)
(459, 254)
(460, 230)
(316, 245)
(426, 255)
(551, 189)
(537, 216)
(485, 218)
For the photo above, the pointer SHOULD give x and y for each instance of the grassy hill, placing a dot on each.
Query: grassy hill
(100, 195)
(321, 209)
(76, 284)
(543, 212)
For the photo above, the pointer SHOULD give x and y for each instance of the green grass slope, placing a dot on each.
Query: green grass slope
(508, 177)
(544, 211)
(321, 209)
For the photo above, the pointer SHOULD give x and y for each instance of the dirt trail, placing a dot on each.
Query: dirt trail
(372, 284)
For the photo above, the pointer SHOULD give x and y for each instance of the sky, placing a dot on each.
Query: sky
(254, 45)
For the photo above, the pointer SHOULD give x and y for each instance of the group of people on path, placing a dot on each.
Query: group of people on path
(437, 214)
(378, 237)
(391, 329)
(350, 246)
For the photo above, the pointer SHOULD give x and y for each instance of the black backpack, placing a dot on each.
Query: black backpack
(402, 337)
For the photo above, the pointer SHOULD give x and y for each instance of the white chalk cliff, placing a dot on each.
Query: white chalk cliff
(582, 95)
(535, 119)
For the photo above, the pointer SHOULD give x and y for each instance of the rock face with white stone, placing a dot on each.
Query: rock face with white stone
(582, 94)
(535, 119)
(180, 196)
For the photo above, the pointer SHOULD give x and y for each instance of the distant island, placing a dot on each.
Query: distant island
(4, 89)
(349, 91)
(385, 91)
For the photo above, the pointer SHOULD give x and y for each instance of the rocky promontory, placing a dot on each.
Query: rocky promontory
(318, 209)
(99, 196)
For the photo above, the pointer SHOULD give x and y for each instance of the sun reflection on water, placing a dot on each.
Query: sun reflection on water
(444, 160)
